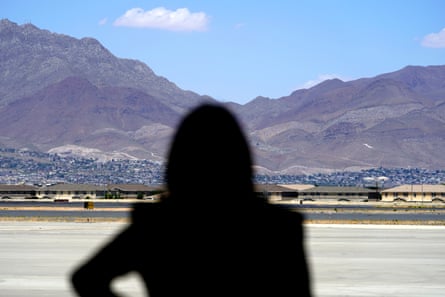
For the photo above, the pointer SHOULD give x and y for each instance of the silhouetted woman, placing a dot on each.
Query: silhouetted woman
(211, 236)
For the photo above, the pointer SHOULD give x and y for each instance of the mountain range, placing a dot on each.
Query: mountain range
(73, 96)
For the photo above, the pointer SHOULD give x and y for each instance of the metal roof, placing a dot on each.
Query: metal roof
(337, 189)
(6, 188)
(134, 187)
(417, 189)
(73, 187)
(271, 188)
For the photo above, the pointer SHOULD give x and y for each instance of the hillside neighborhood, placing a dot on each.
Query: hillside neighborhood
(36, 168)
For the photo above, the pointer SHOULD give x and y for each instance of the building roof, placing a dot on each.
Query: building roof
(337, 189)
(417, 189)
(22, 188)
(134, 187)
(271, 188)
(297, 187)
(73, 187)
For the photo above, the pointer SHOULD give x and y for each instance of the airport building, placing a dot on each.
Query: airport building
(415, 193)
(274, 193)
(68, 192)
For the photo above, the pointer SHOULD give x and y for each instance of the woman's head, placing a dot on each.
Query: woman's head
(209, 153)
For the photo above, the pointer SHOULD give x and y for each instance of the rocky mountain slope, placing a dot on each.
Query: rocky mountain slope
(62, 94)
(393, 120)
(33, 58)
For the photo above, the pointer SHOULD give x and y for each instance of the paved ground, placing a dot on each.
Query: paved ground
(345, 260)
(377, 260)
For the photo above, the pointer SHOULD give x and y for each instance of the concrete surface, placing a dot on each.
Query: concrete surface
(36, 259)
(377, 260)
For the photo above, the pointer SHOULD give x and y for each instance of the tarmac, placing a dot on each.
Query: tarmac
(348, 260)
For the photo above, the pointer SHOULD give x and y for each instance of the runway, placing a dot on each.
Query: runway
(36, 258)
(377, 260)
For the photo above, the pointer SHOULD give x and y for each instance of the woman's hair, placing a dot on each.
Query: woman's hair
(209, 156)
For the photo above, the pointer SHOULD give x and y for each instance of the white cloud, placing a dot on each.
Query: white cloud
(103, 21)
(319, 79)
(161, 18)
(436, 40)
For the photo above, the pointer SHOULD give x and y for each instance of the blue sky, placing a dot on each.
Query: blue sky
(238, 50)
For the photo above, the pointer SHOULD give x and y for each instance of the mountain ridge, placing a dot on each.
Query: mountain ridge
(61, 93)
(57, 55)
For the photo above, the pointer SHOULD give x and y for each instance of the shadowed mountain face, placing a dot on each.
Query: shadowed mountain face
(74, 111)
(58, 93)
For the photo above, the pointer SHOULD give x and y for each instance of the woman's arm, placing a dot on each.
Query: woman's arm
(117, 258)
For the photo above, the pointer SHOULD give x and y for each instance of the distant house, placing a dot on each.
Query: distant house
(305, 192)
(17, 191)
(133, 191)
(71, 191)
(273, 192)
(335, 193)
(86, 191)
(415, 193)
(280, 192)
(293, 190)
